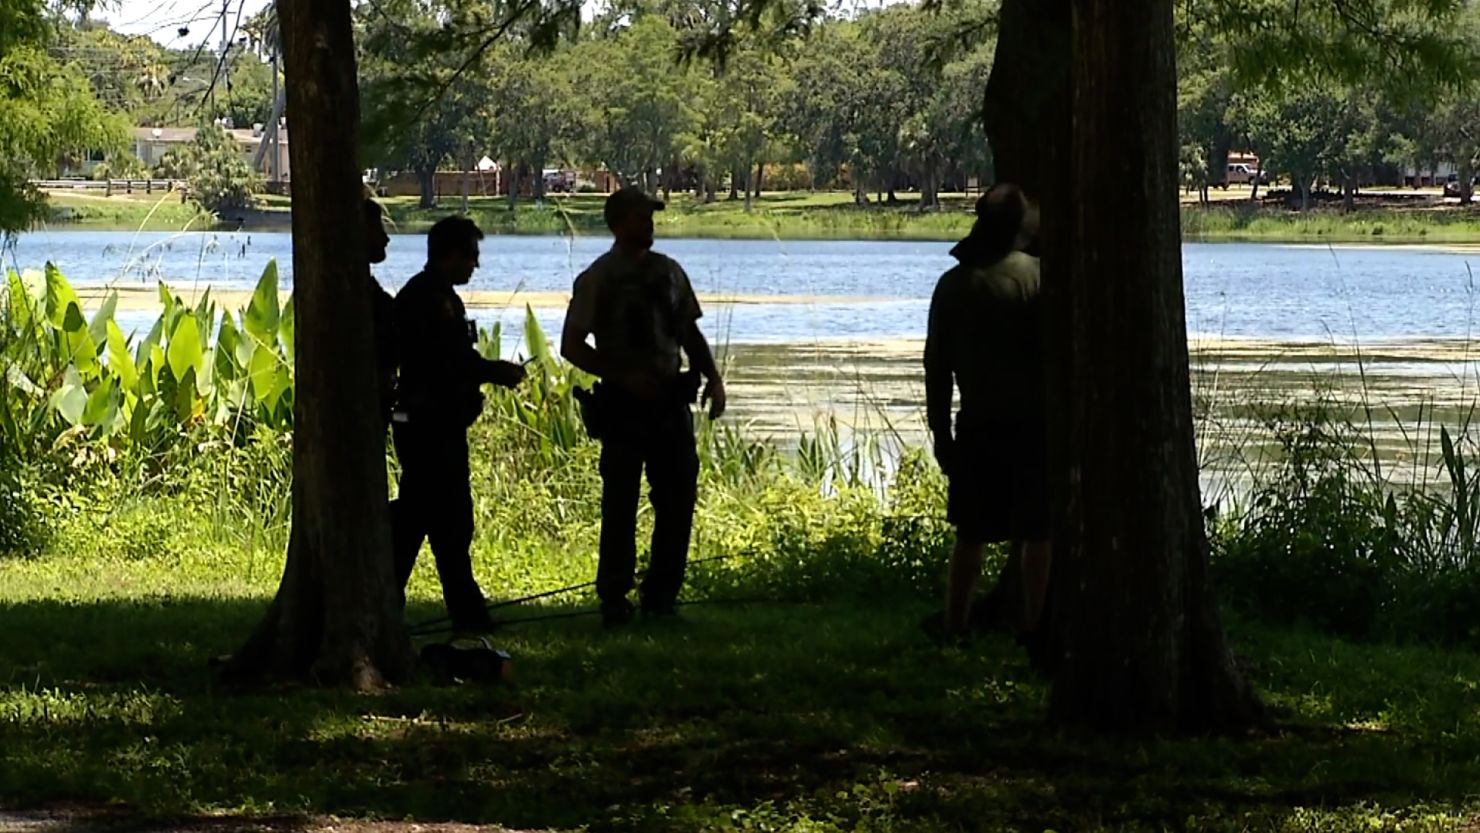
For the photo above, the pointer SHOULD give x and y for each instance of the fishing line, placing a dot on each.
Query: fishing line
(442, 623)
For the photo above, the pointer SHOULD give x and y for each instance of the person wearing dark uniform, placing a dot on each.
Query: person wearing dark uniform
(639, 309)
(985, 339)
(383, 310)
(437, 399)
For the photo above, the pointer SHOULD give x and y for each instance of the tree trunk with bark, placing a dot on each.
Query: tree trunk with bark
(425, 177)
(751, 189)
(1082, 115)
(516, 183)
(1025, 109)
(758, 182)
(1348, 192)
(336, 618)
(1142, 647)
(1258, 178)
(1466, 181)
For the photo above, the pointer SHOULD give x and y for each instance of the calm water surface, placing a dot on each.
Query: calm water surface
(1253, 290)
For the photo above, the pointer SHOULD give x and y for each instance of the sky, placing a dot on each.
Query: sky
(161, 19)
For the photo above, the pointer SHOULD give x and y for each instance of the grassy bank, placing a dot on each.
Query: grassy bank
(798, 216)
(796, 694)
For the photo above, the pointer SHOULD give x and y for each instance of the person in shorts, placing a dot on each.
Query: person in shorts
(985, 341)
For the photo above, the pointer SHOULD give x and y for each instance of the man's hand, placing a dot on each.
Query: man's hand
(714, 397)
(506, 374)
(945, 451)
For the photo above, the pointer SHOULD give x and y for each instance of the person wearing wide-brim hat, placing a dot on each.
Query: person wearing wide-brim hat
(985, 339)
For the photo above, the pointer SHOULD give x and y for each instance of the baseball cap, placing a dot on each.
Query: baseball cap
(624, 201)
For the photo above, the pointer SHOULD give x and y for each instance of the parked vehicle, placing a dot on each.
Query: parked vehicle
(1241, 173)
(1451, 185)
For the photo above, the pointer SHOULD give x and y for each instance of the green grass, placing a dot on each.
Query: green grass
(819, 708)
(772, 716)
(1330, 225)
(799, 215)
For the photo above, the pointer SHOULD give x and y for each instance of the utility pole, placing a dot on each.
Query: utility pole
(276, 174)
(225, 51)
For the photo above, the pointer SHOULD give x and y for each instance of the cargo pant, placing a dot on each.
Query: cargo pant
(658, 438)
(436, 503)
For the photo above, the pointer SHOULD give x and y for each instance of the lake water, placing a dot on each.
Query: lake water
(1244, 290)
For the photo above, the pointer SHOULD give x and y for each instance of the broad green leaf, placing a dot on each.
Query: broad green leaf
(102, 405)
(263, 372)
(120, 361)
(98, 329)
(79, 347)
(138, 423)
(534, 336)
(187, 404)
(70, 400)
(263, 313)
(19, 302)
(205, 315)
(229, 348)
(281, 385)
(60, 296)
(184, 350)
(72, 320)
(156, 364)
(287, 329)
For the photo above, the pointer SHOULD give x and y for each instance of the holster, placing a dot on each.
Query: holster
(602, 405)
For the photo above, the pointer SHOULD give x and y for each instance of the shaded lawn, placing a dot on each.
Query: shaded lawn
(763, 716)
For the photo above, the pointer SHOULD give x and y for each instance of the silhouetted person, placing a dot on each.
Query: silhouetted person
(985, 339)
(641, 310)
(382, 308)
(437, 399)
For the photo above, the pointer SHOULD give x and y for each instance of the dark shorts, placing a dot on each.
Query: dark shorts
(999, 482)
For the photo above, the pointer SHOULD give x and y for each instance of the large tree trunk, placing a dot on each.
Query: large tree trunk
(425, 177)
(1466, 181)
(336, 617)
(1141, 644)
(751, 189)
(516, 183)
(760, 174)
(1348, 192)
(1025, 110)
(1258, 177)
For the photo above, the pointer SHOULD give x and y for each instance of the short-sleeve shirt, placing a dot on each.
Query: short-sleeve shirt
(638, 310)
(986, 330)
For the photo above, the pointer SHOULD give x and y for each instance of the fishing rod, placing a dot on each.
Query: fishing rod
(596, 611)
(443, 623)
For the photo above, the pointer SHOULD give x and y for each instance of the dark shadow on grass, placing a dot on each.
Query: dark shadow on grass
(734, 706)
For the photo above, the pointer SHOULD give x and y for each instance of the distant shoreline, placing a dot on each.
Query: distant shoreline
(796, 216)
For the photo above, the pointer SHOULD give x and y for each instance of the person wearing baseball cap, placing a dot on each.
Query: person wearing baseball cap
(632, 320)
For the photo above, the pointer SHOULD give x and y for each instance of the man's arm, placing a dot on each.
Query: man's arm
(580, 320)
(696, 346)
(702, 360)
(575, 349)
(939, 383)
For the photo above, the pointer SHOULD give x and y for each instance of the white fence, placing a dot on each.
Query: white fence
(110, 186)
